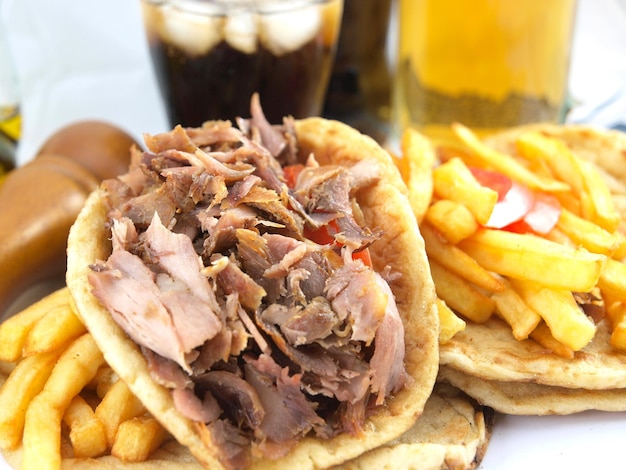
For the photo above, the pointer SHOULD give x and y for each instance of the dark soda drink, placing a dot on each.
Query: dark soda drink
(211, 56)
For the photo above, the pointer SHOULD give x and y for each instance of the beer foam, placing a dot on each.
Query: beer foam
(194, 33)
(282, 32)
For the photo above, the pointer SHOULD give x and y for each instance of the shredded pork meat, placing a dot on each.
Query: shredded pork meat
(263, 335)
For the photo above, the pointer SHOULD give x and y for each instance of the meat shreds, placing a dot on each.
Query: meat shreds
(263, 335)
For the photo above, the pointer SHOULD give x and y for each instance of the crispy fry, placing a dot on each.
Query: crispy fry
(555, 154)
(620, 251)
(506, 164)
(567, 322)
(460, 295)
(587, 234)
(544, 337)
(57, 328)
(602, 210)
(87, 433)
(512, 309)
(454, 181)
(537, 259)
(449, 323)
(453, 219)
(137, 438)
(457, 261)
(419, 156)
(103, 381)
(583, 177)
(14, 331)
(613, 279)
(42, 428)
(25, 382)
(117, 406)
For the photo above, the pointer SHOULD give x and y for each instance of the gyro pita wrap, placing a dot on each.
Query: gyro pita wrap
(522, 377)
(529, 398)
(452, 432)
(398, 253)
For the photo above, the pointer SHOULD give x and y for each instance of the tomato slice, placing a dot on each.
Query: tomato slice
(514, 199)
(291, 173)
(497, 181)
(326, 236)
(323, 235)
(544, 214)
(518, 208)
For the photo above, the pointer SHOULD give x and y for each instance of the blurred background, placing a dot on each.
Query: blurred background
(89, 60)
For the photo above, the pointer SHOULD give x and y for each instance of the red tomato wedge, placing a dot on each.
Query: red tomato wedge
(324, 235)
(518, 208)
(291, 173)
(544, 214)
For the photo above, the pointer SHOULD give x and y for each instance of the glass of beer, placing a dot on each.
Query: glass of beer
(210, 56)
(488, 64)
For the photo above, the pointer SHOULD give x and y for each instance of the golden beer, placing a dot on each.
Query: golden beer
(489, 64)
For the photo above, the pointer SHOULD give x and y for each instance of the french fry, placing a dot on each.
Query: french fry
(55, 329)
(511, 308)
(582, 176)
(87, 433)
(453, 219)
(449, 323)
(620, 251)
(25, 382)
(506, 164)
(603, 210)
(612, 280)
(587, 234)
(42, 427)
(555, 154)
(543, 336)
(460, 295)
(558, 308)
(103, 381)
(457, 261)
(618, 336)
(117, 406)
(419, 156)
(15, 330)
(453, 180)
(137, 438)
(524, 256)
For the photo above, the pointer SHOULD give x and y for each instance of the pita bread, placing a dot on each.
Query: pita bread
(384, 205)
(452, 433)
(489, 351)
(514, 376)
(528, 398)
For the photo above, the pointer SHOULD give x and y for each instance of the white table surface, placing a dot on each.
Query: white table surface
(88, 60)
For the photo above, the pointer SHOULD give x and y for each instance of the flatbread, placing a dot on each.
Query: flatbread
(384, 205)
(489, 351)
(527, 398)
(452, 433)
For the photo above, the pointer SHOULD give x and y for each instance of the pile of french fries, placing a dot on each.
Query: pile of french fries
(529, 280)
(60, 399)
